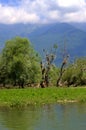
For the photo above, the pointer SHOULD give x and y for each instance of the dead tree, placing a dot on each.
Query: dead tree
(46, 66)
(65, 60)
(42, 83)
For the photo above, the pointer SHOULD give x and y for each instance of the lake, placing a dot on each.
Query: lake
(70, 116)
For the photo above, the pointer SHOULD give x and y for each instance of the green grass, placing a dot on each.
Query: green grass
(24, 97)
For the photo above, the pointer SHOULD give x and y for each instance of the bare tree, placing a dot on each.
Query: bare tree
(46, 65)
(64, 62)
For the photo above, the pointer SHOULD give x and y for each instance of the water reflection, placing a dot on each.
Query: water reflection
(18, 119)
(47, 117)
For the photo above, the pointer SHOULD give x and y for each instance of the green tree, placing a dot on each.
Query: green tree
(18, 61)
(75, 74)
(54, 72)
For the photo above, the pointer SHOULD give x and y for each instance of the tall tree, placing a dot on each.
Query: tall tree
(49, 57)
(19, 57)
(64, 62)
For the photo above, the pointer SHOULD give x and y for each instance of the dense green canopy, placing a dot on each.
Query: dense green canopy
(19, 63)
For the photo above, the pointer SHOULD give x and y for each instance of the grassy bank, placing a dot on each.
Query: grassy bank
(24, 97)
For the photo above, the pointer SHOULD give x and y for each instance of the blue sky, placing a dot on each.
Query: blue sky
(42, 11)
(10, 2)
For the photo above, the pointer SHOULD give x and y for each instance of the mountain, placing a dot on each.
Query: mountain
(68, 36)
(81, 26)
(60, 33)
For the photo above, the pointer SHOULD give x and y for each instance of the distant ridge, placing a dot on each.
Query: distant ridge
(44, 36)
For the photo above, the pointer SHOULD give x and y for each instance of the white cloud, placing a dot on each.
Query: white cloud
(53, 15)
(11, 15)
(75, 17)
(68, 3)
(43, 11)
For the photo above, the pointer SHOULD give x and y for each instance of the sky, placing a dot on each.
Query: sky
(42, 11)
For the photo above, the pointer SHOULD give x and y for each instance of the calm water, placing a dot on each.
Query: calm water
(49, 117)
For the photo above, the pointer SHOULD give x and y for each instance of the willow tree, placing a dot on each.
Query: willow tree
(19, 62)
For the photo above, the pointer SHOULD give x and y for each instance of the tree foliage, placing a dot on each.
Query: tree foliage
(75, 73)
(19, 61)
(20, 66)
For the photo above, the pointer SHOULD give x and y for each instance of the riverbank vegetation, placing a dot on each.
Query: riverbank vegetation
(21, 66)
(25, 97)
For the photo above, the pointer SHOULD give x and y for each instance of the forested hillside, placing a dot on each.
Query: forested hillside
(44, 36)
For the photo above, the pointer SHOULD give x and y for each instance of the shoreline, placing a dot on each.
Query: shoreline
(39, 96)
